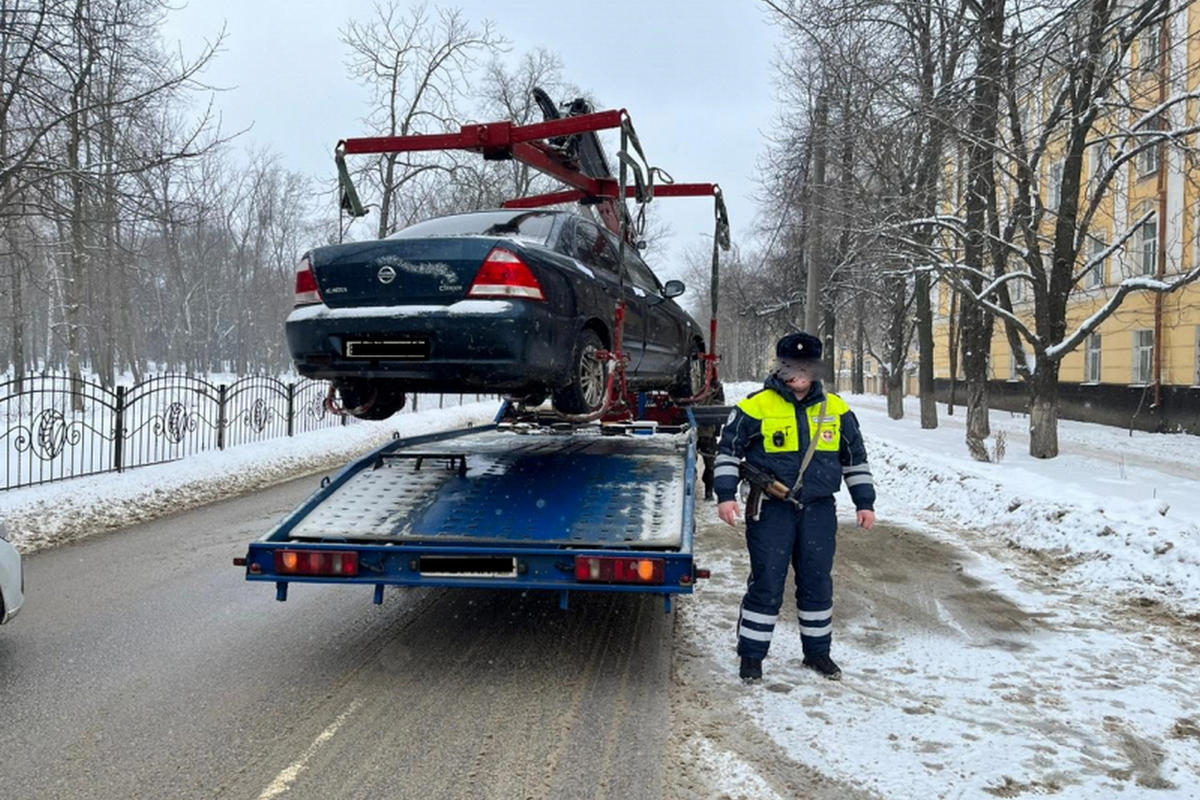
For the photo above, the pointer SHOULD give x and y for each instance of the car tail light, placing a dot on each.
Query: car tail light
(504, 274)
(609, 569)
(307, 290)
(316, 562)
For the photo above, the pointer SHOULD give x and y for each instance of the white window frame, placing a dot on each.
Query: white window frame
(1100, 162)
(1148, 246)
(1147, 160)
(1150, 50)
(1143, 356)
(1092, 359)
(1098, 272)
(1054, 185)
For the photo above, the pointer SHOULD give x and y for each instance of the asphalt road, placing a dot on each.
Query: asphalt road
(144, 665)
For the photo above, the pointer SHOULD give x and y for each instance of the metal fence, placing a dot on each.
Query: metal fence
(56, 428)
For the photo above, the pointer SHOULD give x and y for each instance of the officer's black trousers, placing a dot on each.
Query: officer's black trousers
(805, 539)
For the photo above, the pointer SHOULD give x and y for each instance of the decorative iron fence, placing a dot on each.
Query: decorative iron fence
(56, 428)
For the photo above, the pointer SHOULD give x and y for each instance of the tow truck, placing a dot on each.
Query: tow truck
(535, 500)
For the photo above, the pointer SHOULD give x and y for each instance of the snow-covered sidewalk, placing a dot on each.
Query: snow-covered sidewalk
(1114, 512)
(55, 513)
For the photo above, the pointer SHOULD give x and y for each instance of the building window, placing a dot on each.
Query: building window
(1091, 361)
(1016, 290)
(1150, 50)
(1101, 161)
(1096, 272)
(1147, 158)
(1054, 185)
(1148, 246)
(1143, 357)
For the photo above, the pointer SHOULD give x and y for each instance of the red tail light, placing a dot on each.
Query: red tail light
(307, 290)
(504, 274)
(609, 569)
(316, 562)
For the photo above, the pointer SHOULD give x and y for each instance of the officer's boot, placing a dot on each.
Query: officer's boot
(824, 665)
(751, 670)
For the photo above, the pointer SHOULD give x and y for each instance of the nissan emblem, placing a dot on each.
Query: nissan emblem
(386, 275)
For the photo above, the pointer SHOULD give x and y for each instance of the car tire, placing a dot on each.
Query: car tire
(370, 400)
(589, 376)
(690, 380)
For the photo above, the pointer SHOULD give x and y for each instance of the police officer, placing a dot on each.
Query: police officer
(792, 426)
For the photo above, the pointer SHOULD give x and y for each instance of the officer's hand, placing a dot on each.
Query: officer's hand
(728, 511)
(866, 519)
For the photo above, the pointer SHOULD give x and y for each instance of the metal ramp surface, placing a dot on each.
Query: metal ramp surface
(578, 490)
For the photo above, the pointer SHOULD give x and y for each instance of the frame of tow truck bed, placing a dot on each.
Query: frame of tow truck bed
(584, 508)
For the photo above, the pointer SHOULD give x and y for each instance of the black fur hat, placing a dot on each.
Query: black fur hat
(799, 347)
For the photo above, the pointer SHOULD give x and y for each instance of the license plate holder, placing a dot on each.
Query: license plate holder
(392, 348)
(468, 566)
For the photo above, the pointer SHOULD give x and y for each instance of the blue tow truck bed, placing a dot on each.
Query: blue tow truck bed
(573, 508)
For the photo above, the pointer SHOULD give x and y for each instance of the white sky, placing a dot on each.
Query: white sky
(694, 75)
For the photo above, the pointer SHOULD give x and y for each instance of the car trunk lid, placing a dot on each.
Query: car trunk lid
(433, 271)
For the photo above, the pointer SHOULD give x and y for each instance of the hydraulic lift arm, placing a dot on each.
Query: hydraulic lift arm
(566, 148)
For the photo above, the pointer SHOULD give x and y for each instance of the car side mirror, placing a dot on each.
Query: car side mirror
(673, 289)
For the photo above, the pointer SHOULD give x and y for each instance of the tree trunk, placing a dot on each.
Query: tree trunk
(976, 321)
(926, 389)
(859, 386)
(816, 213)
(895, 395)
(1043, 409)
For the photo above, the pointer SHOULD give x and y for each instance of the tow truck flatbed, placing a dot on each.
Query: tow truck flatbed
(580, 508)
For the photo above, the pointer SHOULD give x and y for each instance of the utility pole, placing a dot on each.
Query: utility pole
(816, 249)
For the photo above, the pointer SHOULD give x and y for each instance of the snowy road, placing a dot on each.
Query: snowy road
(959, 682)
(146, 666)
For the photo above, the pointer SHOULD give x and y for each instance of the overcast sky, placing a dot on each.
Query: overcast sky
(694, 75)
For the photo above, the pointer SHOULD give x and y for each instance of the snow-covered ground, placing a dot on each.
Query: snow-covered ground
(1009, 629)
(43, 516)
(1013, 629)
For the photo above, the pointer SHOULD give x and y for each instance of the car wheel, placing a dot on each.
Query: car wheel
(589, 377)
(370, 400)
(690, 380)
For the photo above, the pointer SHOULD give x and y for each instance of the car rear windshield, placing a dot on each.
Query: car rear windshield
(532, 225)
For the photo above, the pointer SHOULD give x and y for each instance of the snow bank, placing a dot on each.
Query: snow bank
(44, 516)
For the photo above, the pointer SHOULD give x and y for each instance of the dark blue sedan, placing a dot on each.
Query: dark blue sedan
(508, 302)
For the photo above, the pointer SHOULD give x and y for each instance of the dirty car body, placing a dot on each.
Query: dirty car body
(504, 301)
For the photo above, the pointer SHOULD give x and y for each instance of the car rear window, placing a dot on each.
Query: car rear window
(532, 225)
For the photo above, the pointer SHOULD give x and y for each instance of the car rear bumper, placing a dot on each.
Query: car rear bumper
(488, 345)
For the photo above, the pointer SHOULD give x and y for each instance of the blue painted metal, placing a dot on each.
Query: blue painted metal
(541, 510)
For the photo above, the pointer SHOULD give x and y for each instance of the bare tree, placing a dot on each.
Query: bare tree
(416, 63)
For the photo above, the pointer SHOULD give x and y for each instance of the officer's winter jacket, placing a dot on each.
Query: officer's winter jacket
(771, 429)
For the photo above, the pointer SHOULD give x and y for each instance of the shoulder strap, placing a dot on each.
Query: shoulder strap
(812, 448)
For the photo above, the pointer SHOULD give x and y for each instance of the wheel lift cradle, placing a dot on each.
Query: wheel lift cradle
(593, 507)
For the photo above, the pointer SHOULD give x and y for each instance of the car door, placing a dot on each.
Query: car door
(666, 327)
(596, 249)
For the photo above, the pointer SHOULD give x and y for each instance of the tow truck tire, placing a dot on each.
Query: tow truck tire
(585, 392)
(690, 379)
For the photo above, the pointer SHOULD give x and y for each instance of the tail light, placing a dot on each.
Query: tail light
(316, 562)
(504, 274)
(609, 569)
(307, 290)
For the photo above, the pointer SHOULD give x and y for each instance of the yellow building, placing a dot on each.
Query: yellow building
(1148, 351)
